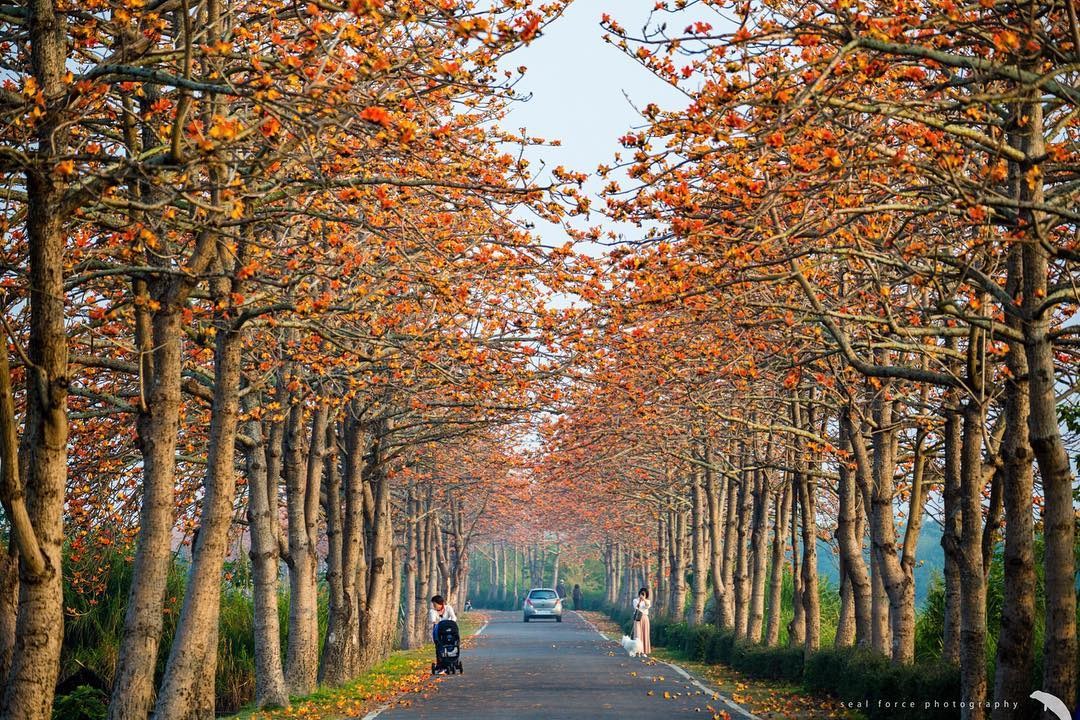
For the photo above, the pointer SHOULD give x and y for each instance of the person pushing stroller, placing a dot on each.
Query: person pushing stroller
(444, 633)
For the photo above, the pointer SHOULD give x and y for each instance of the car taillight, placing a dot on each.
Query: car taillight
(528, 602)
(558, 603)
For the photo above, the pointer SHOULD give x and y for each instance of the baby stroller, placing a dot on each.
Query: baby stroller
(447, 648)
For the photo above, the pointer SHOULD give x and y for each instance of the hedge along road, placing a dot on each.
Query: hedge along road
(544, 670)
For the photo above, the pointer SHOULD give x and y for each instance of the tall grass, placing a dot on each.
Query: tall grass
(96, 587)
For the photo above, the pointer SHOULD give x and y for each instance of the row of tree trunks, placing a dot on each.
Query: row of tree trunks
(436, 560)
(720, 530)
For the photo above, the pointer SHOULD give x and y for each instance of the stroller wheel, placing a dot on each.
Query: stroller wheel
(433, 668)
(460, 669)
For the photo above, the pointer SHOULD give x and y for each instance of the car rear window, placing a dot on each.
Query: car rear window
(543, 595)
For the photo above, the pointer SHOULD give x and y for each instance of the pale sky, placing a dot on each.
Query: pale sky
(580, 87)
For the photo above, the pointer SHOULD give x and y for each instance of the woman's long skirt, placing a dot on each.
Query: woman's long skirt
(641, 630)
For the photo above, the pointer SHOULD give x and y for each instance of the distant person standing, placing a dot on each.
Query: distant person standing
(560, 590)
(641, 621)
(578, 602)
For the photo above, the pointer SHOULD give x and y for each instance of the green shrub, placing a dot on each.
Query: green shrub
(719, 650)
(772, 663)
(82, 703)
(697, 641)
(676, 635)
(658, 630)
(856, 674)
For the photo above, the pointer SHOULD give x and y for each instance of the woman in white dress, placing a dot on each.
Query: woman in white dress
(641, 622)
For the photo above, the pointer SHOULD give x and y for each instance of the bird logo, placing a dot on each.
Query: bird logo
(1052, 704)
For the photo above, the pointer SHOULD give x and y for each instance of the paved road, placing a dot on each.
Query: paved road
(557, 671)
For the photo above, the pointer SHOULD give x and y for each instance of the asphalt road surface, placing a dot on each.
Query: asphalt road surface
(544, 670)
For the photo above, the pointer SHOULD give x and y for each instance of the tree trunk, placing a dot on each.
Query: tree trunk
(731, 519)
(880, 629)
(856, 574)
(950, 538)
(759, 534)
(898, 586)
(341, 646)
(408, 636)
(742, 558)
(9, 605)
(194, 651)
(301, 502)
(39, 624)
(158, 425)
(797, 624)
(678, 566)
(377, 622)
(810, 599)
(1059, 513)
(876, 478)
(555, 568)
(845, 620)
(1015, 651)
(700, 568)
(972, 575)
(716, 528)
(158, 334)
(781, 509)
(502, 572)
(263, 463)
(424, 566)
(514, 559)
(663, 588)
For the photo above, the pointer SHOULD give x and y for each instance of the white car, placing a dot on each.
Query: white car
(542, 603)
